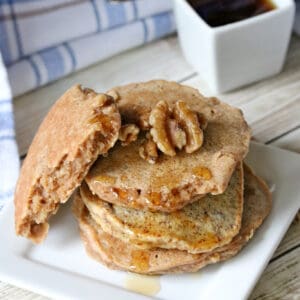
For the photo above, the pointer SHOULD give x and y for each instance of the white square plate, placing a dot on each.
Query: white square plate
(61, 269)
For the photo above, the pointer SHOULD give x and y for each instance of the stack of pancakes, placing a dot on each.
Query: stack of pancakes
(176, 215)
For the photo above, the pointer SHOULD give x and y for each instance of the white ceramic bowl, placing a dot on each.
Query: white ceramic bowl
(239, 53)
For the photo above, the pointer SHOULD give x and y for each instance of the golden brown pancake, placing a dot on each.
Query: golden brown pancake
(199, 227)
(116, 254)
(80, 126)
(124, 178)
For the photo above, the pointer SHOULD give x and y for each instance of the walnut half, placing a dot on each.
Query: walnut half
(190, 122)
(180, 128)
(176, 134)
(158, 118)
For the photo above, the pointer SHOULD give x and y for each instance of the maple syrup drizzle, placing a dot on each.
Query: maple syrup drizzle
(105, 178)
(208, 241)
(140, 260)
(143, 284)
(202, 172)
(154, 198)
(103, 119)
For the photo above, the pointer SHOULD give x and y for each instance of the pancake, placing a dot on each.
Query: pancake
(124, 178)
(116, 254)
(80, 126)
(199, 227)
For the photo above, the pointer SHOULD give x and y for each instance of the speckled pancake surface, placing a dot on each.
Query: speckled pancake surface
(124, 178)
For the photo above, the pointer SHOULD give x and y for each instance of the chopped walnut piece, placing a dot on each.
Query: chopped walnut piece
(202, 121)
(128, 133)
(144, 122)
(101, 101)
(176, 134)
(158, 118)
(87, 91)
(114, 94)
(142, 117)
(189, 121)
(148, 150)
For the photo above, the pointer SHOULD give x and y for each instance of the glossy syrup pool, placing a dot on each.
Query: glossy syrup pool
(140, 260)
(143, 284)
(221, 12)
(202, 172)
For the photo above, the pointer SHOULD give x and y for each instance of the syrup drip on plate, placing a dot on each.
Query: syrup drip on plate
(140, 260)
(143, 284)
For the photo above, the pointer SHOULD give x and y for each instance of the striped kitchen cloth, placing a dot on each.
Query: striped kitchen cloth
(9, 160)
(52, 63)
(48, 39)
(43, 40)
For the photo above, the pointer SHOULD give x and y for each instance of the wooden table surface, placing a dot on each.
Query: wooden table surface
(272, 108)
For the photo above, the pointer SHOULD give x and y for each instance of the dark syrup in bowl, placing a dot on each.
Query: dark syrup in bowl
(221, 12)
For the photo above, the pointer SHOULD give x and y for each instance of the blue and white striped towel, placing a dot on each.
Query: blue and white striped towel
(9, 161)
(29, 25)
(43, 40)
(48, 39)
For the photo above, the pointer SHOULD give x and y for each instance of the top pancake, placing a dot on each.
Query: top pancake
(80, 126)
(124, 178)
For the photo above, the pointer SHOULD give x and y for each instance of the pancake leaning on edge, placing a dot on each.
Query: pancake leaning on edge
(201, 226)
(80, 126)
(116, 254)
(124, 178)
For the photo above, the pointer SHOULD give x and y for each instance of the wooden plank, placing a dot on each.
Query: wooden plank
(290, 141)
(281, 121)
(161, 59)
(290, 240)
(280, 279)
